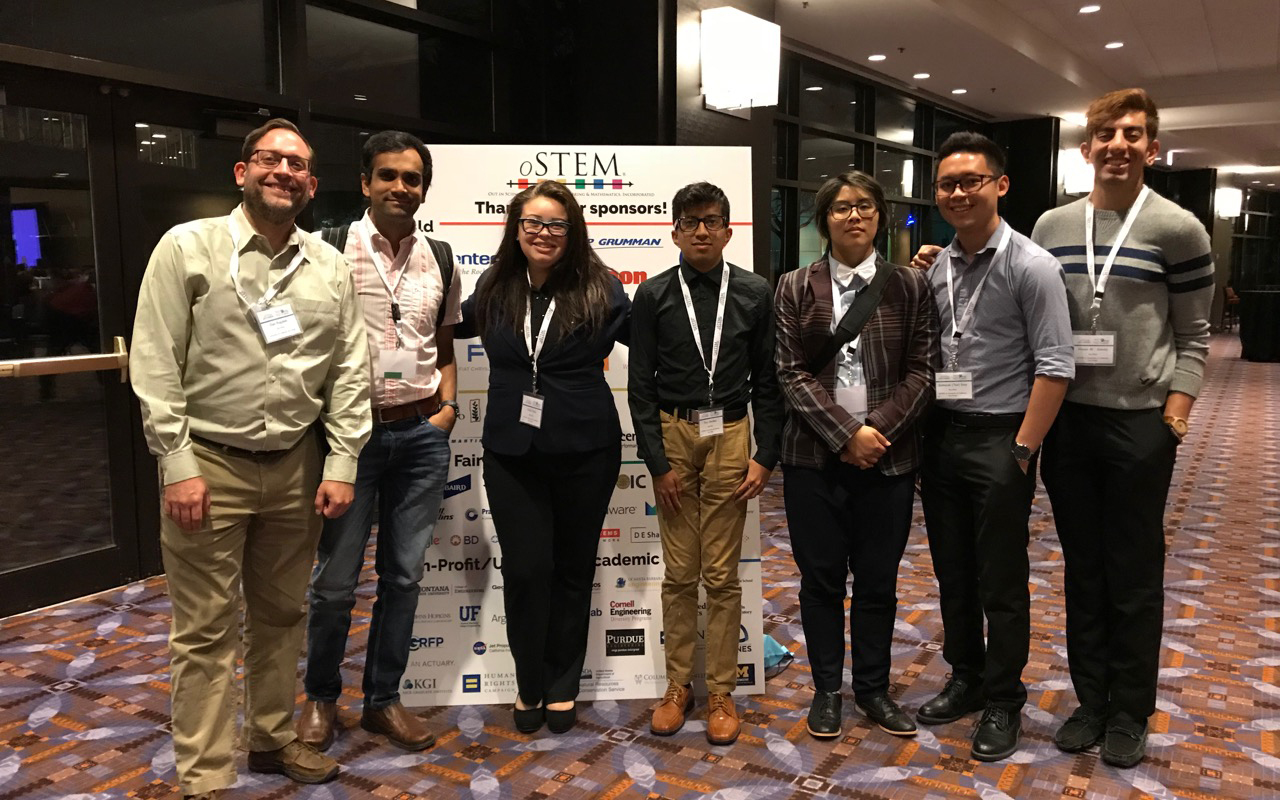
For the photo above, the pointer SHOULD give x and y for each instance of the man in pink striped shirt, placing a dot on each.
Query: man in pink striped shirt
(406, 287)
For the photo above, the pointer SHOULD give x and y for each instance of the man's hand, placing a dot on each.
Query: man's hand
(865, 448)
(444, 419)
(753, 485)
(187, 503)
(333, 498)
(925, 255)
(666, 490)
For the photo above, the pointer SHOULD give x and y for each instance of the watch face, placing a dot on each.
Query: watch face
(1021, 452)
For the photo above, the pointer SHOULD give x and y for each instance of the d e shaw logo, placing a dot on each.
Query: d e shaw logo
(624, 642)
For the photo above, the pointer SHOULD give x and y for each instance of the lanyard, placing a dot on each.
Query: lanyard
(400, 262)
(958, 326)
(1099, 281)
(272, 290)
(536, 350)
(719, 329)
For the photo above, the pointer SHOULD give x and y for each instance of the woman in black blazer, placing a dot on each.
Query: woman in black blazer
(548, 312)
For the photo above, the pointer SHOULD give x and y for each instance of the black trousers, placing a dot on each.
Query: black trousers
(1107, 472)
(846, 520)
(976, 503)
(548, 509)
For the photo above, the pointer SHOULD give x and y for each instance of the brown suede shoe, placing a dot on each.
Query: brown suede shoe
(300, 762)
(669, 716)
(318, 724)
(401, 728)
(723, 725)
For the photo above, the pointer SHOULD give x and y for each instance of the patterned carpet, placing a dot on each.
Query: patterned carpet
(83, 691)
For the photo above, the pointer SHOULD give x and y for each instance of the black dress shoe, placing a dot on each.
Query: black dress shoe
(1082, 730)
(886, 713)
(824, 715)
(955, 700)
(529, 720)
(997, 735)
(562, 721)
(1126, 741)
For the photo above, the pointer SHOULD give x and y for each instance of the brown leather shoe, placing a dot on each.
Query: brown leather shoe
(403, 729)
(300, 762)
(318, 724)
(723, 725)
(669, 716)
(213, 795)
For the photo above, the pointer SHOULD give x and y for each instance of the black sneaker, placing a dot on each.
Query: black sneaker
(1082, 730)
(955, 700)
(824, 715)
(886, 713)
(997, 735)
(1125, 743)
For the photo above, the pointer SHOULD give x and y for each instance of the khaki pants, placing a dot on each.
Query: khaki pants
(260, 538)
(704, 540)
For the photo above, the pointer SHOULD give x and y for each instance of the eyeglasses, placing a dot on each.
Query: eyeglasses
(866, 209)
(533, 226)
(270, 159)
(714, 222)
(968, 184)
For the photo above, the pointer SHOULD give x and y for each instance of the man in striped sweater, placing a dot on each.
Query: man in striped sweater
(1140, 282)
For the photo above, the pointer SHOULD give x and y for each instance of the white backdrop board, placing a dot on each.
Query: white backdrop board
(459, 651)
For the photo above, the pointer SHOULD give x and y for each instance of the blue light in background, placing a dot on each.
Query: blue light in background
(26, 235)
(911, 220)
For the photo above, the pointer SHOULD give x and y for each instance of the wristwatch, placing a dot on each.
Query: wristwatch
(1178, 426)
(457, 412)
(1021, 451)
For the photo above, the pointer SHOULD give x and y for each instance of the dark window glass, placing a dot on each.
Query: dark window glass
(828, 98)
(457, 80)
(777, 215)
(811, 244)
(896, 118)
(899, 173)
(474, 12)
(338, 198)
(354, 62)
(222, 42)
(903, 232)
(822, 157)
(945, 124)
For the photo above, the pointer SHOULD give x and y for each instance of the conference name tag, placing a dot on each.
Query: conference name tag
(277, 322)
(401, 365)
(710, 421)
(531, 409)
(853, 399)
(1095, 349)
(954, 385)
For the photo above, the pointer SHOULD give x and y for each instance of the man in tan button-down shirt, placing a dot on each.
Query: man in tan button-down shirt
(247, 332)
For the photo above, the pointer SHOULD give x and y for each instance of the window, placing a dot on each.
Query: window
(896, 118)
(900, 173)
(354, 62)
(829, 99)
(822, 157)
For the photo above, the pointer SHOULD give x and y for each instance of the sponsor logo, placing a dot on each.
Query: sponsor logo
(621, 510)
(473, 410)
(576, 163)
(444, 516)
(430, 616)
(648, 677)
(463, 564)
(474, 514)
(419, 684)
(501, 619)
(462, 460)
(432, 590)
(650, 510)
(610, 533)
(467, 588)
(621, 583)
(458, 485)
(628, 608)
(595, 612)
(746, 674)
(628, 439)
(471, 683)
(479, 648)
(423, 642)
(639, 535)
(432, 662)
(497, 587)
(475, 351)
(586, 675)
(620, 560)
(624, 642)
(473, 259)
(614, 243)
(627, 277)
(469, 616)
(640, 481)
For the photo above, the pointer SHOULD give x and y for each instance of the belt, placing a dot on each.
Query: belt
(973, 419)
(240, 452)
(425, 407)
(691, 414)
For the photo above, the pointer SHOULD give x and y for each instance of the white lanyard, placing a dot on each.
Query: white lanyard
(536, 350)
(959, 325)
(272, 290)
(399, 262)
(1099, 281)
(719, 329)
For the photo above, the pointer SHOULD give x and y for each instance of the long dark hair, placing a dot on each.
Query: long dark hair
(580, 281)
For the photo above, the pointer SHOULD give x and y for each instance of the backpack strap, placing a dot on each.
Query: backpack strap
(444, 259)
(336, 236)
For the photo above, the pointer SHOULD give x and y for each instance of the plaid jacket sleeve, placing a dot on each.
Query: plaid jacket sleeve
(915, 323)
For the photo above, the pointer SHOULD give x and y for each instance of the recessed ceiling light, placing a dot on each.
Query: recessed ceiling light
(813, 88)
(159, 136)
(959, 91)
(1271, 184)
(141, 125)
(146, 141)
(823, 175)
(1090, 9)
(876, 57)
(1257, 181)
(853, 102)
(62, 174)
(811, 158)
(1114, 45)
(360, 97)
(921, 76)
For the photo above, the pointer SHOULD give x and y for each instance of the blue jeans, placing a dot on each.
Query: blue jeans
(403, 467)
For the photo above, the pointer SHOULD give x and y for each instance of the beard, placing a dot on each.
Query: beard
(276, 214)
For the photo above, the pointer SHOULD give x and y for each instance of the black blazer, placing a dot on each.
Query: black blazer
(578, 413)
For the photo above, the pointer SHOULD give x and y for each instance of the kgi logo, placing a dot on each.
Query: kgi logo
(420, 684)
(469, 614)
(479, 648)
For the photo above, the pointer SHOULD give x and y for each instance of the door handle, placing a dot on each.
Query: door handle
(65, 365)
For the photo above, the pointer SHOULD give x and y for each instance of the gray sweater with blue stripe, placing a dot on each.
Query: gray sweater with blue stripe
(1157, 300)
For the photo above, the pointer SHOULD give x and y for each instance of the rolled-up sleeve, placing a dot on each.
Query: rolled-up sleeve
(1043, 296)
(346, 415)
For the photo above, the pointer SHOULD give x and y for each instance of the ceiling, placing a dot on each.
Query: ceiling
(1212, 66)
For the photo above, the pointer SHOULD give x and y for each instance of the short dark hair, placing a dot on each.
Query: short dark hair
(278, 123)
(1116, 104)
(856, 179)
(395, 142)
(698, 194)
(973, 142)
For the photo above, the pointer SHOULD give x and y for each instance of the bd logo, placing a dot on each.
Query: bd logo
(468, 613)
(470, 538)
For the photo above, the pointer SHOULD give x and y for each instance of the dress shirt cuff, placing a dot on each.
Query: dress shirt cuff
(338, 467)
(179, 466)
(658, 465)
(766, 458)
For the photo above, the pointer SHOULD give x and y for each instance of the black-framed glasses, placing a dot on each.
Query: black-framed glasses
(270, 159)
(714, 222)
(866, 209)
(533, 226)
(967, 183)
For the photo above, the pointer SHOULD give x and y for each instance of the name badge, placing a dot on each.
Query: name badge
(531, 409)
(1095, 349)
(277, 322)
(853, 399)
(400, 365)
(710, 421)
(954, 385)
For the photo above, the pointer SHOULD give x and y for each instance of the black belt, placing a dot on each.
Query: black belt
(240, 452)
(690, 414)
(973, 419)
